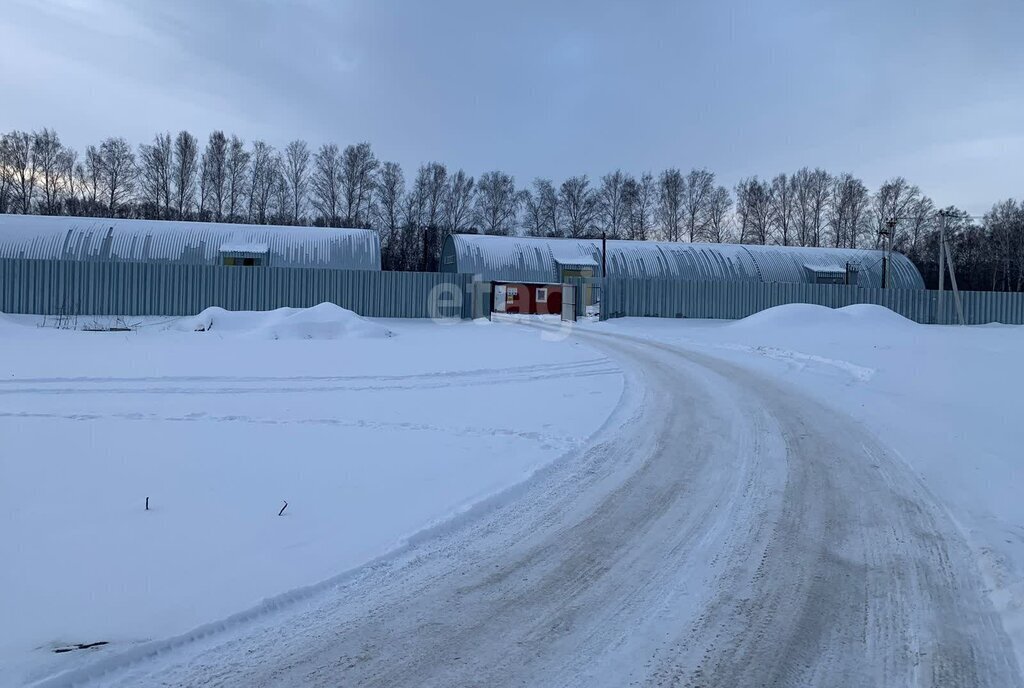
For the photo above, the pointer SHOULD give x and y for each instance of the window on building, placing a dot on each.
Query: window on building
(248, 261)
(542, 295)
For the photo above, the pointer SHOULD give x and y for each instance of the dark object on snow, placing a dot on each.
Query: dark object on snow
(80, 646)
(147, 503)
(279, 513)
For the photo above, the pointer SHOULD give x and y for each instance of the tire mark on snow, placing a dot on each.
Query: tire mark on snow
(381, 386)
(475, 372)
(548, 441)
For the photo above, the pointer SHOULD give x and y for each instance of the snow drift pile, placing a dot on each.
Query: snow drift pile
(811, 316)
(324, 321)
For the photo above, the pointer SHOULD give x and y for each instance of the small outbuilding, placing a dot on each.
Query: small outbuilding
(192, 243)
(533, 299)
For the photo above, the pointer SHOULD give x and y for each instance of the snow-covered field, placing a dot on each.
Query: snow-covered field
(371, 430)
(946, 399)
(375, 430)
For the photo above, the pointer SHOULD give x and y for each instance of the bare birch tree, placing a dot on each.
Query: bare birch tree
(390, 192)
(263, 171)
(117, 167)
(641, 205)
(46, 151)
(579, 205)
(296, 175)
(533, 215)
(847, 211)
(186, 167)
(754, 210)
(497, 203)
(782, 195)
(215, 175)
(719, 204)
(156, 164)
(893, 201)
(357, 170)
(6, 172)
(24, 170)
(611, 203)
(237, 164)
(697, 189)
(326, 184)
(458, 203)
(67, 169)
(671, 188)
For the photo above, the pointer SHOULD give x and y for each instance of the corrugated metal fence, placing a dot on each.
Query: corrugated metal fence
(55, 287)
(731, 300)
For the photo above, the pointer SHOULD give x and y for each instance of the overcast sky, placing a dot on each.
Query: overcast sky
(933, 91)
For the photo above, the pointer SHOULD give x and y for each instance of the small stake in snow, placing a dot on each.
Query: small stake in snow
(147, 503)
(279, 513)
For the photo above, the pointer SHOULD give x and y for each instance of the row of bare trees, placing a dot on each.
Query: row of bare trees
(227, 180)
(815, 208)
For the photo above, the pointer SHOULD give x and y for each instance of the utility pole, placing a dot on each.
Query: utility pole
(940, 317)
(887, 258)
(885, 234)
(604, 254)
(945, 256)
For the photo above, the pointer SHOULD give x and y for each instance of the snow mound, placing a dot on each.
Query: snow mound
(790, 315)
(872, 314)
(324, 321)
(806, 315)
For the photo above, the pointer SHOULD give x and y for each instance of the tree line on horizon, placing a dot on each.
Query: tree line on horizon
(225, 180)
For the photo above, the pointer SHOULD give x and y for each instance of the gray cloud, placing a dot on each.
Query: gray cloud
(929, 90)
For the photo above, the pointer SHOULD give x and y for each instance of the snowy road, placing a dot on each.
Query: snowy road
(720, 530)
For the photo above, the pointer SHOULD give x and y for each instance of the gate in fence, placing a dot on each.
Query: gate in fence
(568, 303)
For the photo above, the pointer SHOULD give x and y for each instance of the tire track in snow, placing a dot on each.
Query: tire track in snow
(307, 384)
(477, 372)
(561, 441)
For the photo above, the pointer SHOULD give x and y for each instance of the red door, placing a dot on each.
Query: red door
(554, 304)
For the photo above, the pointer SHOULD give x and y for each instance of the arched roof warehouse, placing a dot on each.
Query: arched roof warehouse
(529, 259)
(196, 243)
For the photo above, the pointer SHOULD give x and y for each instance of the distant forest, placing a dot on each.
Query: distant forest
(226, 180)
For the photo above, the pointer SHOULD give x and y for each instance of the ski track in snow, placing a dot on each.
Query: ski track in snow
(722, 529)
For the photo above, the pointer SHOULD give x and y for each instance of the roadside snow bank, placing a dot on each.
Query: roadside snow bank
(324, 321)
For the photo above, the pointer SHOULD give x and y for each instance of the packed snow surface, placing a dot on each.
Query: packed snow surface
(805, 497)
(945, 398)
(370, 438)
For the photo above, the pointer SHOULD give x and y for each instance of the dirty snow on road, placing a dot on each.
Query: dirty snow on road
(370, 430)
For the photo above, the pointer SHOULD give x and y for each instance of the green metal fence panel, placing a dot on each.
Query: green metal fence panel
(55, 287)
(661, 298)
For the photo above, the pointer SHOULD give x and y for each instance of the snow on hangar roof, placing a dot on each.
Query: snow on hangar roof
(197, 243)
(534, 259)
